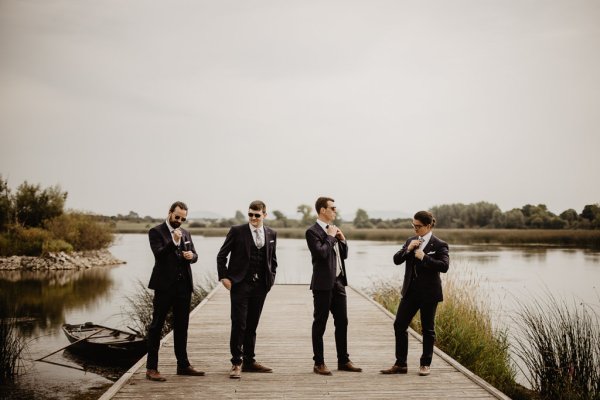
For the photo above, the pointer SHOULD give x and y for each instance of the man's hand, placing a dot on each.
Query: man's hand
(339, 234)
(332, 230)
(188, 255)
(419, 254)
(227, 283)
(177, 234)
(415, 243)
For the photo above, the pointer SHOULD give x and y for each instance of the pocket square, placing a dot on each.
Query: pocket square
(430, 253)
(271, 241)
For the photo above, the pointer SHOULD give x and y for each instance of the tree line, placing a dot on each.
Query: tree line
(33, 222)
(489, 215)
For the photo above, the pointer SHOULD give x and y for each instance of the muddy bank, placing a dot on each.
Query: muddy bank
(60, 261)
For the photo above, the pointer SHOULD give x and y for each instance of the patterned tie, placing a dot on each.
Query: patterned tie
(259, 239)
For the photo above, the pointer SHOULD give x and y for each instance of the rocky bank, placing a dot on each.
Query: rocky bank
(60, 261)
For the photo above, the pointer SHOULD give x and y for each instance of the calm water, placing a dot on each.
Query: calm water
(508, 276)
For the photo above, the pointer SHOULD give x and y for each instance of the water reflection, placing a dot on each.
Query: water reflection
(41, 299)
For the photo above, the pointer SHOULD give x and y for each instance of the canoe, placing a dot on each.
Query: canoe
(101, 342)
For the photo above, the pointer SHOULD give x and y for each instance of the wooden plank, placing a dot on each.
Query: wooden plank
(284, 343)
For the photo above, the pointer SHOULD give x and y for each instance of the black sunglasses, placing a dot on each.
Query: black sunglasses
(177, 218)
(254, 215)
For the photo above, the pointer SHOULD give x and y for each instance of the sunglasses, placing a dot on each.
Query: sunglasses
(177, 218)
(252, 215)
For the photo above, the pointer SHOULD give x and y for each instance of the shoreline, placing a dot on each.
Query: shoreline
(60, 261)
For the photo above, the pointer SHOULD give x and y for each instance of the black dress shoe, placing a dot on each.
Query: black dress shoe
(348, 367)
(189, 370)
(396, 369)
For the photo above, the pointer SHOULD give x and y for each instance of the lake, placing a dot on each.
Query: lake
(46, 300)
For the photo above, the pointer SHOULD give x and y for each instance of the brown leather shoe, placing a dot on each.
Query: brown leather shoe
(349, 367)
(154, 375)
(424, 370)
(321, 369)
(255, 367)
(396, 369)
(236, 372)
(189, 370)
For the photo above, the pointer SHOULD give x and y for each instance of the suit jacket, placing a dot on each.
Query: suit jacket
(238, 242)
(428, 283)
(324, 261)
(168, 257)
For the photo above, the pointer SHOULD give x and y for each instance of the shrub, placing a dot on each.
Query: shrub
(23, 241)
(82, 231)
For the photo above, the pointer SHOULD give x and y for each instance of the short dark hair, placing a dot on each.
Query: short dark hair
(258, 205)
(425, 217)
(322, 203)
(179, 204)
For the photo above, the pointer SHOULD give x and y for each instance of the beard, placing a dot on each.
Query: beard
(174, 223)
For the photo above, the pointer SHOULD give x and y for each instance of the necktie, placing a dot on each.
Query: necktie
(259, 239)
(338, 260)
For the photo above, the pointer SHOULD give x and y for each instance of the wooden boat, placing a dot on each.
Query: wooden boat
(101, 342)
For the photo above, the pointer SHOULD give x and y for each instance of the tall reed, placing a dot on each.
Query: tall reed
(138, 311)
(12, 346)
(559, 344)
(464, 330)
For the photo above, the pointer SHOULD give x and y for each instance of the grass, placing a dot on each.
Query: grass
(464, 331)
(559, 344)
(139, 306)
(512, 237)
(12, 346)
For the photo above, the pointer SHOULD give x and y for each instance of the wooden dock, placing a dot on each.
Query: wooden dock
(284, 344)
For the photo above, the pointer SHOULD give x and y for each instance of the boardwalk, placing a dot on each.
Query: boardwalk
(284, 344)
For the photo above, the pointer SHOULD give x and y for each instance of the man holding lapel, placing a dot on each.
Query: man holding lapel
(248, 276)
(171, 280)
(328, 249)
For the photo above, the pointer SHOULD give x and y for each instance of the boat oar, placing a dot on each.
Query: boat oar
(71, 344)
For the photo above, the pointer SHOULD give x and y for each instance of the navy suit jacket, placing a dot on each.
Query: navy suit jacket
(324, 261)
(428, 283)
(168, 257)
(238, 242)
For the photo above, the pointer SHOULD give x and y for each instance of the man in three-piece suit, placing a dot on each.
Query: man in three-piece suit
(171, 280)
(249, 277)
(328, 249)
(426, 257)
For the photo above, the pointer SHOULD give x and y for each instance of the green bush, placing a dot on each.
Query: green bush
(21, 241)
(55, 246)
(82, 231)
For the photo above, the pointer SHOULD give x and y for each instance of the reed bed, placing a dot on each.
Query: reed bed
(12, 347)
(559, 344)
(138, 311)
(464, 331)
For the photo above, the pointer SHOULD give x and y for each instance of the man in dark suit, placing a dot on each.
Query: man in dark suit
(328, 249)
(426, 257)
(249, 277)
(171, 280)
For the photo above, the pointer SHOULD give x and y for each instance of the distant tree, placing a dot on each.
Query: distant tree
(33, 205)
(361, 220)
(5, 204)
(307, 216)
(591, 213)
(514, 219)
(133, 216)
(570, 216)
(281, 218)
(239, 217)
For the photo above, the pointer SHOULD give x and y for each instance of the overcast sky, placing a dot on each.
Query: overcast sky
(383, 105)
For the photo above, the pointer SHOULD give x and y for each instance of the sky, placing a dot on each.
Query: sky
(382, 105)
